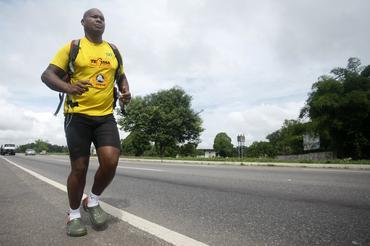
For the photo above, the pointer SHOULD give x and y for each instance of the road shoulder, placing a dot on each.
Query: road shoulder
(34, 213)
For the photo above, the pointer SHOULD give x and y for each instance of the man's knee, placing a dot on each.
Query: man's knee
(79, 171)
(108, 157)
(109, 166)
(80, 166)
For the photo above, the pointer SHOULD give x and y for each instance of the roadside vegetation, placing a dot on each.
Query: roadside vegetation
(42, 145)
(337, 111)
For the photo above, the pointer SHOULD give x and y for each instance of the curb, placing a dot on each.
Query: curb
(269, 164)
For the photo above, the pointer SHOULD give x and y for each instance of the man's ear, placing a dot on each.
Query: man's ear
(82, 22)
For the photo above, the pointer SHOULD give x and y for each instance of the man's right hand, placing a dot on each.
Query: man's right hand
(79, 88)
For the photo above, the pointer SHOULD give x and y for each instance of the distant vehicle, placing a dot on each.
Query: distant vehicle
(30, 152)
(8, 149)
(43, 152)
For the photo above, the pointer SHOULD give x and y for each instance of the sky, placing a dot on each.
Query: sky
(248, 65)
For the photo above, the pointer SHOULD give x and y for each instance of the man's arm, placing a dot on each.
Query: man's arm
(123, 86)
(52, 77)
(124, 89)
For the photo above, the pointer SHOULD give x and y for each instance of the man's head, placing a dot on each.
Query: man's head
(93, 22)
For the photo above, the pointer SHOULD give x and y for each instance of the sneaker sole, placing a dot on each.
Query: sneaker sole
(77, 234)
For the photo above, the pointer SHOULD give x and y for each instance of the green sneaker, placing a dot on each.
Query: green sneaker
(75, 228)
(98, 216)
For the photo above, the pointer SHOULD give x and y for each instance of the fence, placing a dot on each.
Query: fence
(317, 156)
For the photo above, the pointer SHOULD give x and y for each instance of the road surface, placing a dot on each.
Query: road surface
(211, 205)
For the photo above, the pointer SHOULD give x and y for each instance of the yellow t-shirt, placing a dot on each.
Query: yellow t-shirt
(95, 63)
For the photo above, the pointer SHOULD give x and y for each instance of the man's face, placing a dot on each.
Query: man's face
(93, 22)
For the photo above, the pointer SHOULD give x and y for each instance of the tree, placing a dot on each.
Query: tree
(222, 145)
(57, 148)
(261, 149)
(188, 149)
(40, 145)
(135, 144)
(339, 109)
(164, 118)
(366, 72)
(289, 138)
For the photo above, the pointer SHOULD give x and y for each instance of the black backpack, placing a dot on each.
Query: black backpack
(73, 52)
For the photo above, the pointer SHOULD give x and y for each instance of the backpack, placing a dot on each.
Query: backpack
(73, 52)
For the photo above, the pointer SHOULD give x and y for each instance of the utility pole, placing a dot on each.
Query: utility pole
(241, 143)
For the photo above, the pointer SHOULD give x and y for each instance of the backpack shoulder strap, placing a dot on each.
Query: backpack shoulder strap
(116, 53)
(73, 52)
(117, 76)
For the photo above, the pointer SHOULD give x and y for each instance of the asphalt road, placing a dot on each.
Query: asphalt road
(216, 205)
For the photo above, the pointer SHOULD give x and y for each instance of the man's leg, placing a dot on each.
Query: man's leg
(108, 159)
(107, 143)
(77, 180)
(79, 138)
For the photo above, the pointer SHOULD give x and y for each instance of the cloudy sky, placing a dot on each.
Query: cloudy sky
(247, 64)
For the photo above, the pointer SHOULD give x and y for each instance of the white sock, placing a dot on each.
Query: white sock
(74, 213)
(93, 200)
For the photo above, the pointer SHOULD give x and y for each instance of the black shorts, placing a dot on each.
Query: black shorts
(82, 130)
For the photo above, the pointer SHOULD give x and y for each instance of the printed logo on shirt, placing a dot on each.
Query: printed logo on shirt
(99, 62)
(100, 78)
(99, 81)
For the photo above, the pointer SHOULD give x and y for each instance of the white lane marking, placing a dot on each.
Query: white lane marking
(159, 231)
(143, 169)
(39, 176)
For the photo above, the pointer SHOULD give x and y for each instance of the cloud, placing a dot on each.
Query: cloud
(255, 122)
(20, 125)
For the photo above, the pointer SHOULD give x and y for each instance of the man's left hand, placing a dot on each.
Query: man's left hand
(125, 97)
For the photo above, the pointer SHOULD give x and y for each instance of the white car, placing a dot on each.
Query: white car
(30, 152)
(8, 149)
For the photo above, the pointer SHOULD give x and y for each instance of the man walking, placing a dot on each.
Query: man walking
(88, 110)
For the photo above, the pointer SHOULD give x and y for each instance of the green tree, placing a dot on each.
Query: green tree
(261, 149)
(222, 145)
(289, 138)
(41, 145)
(57, 148)
(164, 118)
(366, 72)
(22, 148)
(135, 144)
(339, 109)
(188, 149)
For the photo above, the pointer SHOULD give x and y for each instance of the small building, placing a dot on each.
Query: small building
(206, 153)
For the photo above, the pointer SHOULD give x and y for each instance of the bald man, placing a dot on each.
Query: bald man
(89, 118)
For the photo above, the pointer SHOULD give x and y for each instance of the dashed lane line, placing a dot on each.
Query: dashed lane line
(159, 231)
